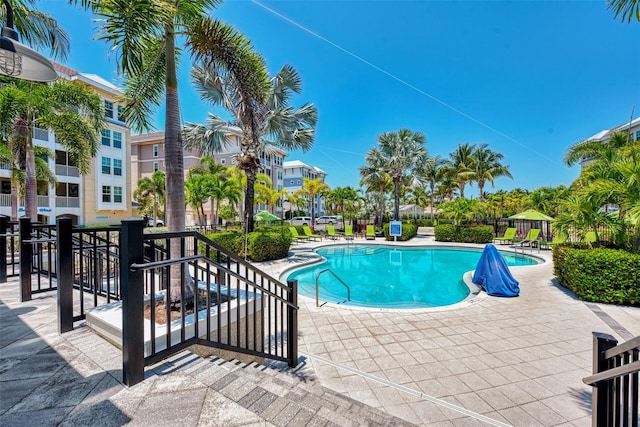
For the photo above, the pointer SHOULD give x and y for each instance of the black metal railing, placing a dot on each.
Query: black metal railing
(614, 400)
(195, 292)
(9, 248)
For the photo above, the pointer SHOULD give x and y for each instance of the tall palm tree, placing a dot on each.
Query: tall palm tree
(144, 36)
(402, 152)
(70, 109)
(208, 166)
(220, 188)
(375, 177)
(431, 172)
(260, 122)
(486, 167)
(313, 189)
(155, 188)
(460, 166)
(196, 193)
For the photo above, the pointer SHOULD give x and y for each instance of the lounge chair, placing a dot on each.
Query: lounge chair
(509, 235)
(308, 233)
(331, 232)
(590, 237)
(370, 233)
(296, 236)
(530, 239)
(348, 232)
(555, 241)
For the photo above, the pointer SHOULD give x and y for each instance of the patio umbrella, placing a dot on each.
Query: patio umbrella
(531, 215)
(265, 216)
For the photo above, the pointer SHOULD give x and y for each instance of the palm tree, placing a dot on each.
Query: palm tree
(196, 193)
(154, 188)
(144, 36)
(431, 171)
(460, 210)
(313, 189)
(626, 9)
(261, 123)
(343, 199)
(402, 152)
(70, 109)
(376, 178)
(219, 189)
(486, 166)
(585, 151)
(210, 167)
(460, 166)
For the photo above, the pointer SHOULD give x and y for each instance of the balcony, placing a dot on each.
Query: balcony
(65, 170)
(43, 201)
(67, 202)
(5, 200)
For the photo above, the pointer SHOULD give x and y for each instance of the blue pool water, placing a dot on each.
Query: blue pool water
(392, 277)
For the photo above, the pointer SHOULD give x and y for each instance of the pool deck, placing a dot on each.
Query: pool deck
(490, 361)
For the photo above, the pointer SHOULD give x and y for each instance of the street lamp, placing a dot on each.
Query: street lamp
(20, 61)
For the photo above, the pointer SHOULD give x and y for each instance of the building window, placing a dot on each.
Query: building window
(155, 166)
(121, 113)
(106, 137)
(117, 194)
(117, 139)
(279, 174)
(291, 182)
(74, 190)
(155, 150)
(106, 194)
(637, 135)
(223, 161)
(117, 167)
(106, 165)
(108, 109)
(41, 134)
(298, 182)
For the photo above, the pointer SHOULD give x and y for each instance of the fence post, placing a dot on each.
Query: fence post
(64, 267)
(292, 324)
(26, 259)
(3, 248)
(132, 282)
(600, 394)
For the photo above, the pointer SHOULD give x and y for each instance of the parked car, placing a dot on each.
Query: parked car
(328, 219)
(300, 220)
(159, 222)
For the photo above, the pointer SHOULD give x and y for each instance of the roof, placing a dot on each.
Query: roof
(299, 164)
(603, 135)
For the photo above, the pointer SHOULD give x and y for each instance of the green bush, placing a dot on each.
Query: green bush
(408, 231)
(463, 233)
(599, 275)
(260, 246)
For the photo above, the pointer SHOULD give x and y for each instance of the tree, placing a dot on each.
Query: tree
(312, 188)
(344, 199)
(260, 122)
(70, 109)
(460, 210)
(154, 188)
(486, 166)
(460, 166)
(626, 9)
(196, 193)
(402, 152)
(210, 167)
(376, 178)
(431, 171)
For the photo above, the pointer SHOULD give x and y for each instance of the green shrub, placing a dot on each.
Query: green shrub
(260, 246)
(408, 231)
(465, 234)
(598, 275)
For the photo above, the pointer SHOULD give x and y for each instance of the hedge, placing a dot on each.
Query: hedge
(463, 233)
(408, 231)
(260, 246)
(598, 275)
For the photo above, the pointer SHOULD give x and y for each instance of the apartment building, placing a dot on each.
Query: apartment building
(148, 155)
(631, 127)
(102, 196)
(294, 173)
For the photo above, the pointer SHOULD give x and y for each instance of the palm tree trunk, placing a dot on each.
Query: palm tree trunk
(213, 221)
(30, 181)
(396, 191)
(249, 199)
(174, 163)
(14, 199)
(381, 205)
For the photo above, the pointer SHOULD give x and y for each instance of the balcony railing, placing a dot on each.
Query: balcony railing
(67, 202)
(5, 165)
(65, 170)
(43, 201)
(5, 200)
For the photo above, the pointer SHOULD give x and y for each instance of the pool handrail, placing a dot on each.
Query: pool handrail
(339, 280)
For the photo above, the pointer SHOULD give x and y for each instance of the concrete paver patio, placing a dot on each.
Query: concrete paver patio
(492, 361)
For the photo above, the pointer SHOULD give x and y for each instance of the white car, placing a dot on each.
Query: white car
(300, 220)
(327, 219)
(159, 222)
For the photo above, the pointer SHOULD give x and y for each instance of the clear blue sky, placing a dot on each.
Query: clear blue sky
(529, 78)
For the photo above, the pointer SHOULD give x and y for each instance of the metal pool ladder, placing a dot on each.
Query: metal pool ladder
(339, 280)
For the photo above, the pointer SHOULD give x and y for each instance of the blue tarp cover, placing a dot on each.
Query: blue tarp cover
(493, 275)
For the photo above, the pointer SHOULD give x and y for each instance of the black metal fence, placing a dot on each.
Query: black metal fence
(614, 400)
(192, 291)
(9, 244)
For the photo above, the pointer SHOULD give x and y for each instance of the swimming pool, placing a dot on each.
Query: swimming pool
(393, 277)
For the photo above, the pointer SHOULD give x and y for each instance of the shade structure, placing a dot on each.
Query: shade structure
(531, 215)
(265, 216)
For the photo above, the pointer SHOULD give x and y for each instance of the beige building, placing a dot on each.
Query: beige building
(147, 156)
(102, 196)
